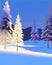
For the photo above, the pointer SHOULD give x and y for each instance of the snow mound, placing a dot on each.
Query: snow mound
(12, 49)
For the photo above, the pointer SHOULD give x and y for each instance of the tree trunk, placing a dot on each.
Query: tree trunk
(48, 45)
(45, 41)
(5, 46)
(17, 47)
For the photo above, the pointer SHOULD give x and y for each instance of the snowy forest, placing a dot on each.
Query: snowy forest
(13, 33)
(32, 44)
(10, 33)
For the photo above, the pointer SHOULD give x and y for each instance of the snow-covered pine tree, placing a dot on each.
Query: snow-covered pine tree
(6, 26)
(5, 38)
(47, 32)
(6, 20)
(45, 29)
(34, 35)
(46, 24)
(17, 32)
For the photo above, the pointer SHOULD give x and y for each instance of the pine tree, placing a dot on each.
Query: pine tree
(5, 38)
(45, 29)
(34, 35)
(17, 32)
(39, 32)
(47, 32)
(6, 27)
(6, 20)
(46, 24)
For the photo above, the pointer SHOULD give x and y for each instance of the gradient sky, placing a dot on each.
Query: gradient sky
(30, 11)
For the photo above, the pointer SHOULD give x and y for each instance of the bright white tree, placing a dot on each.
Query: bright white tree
(17, 32)
(5, 38)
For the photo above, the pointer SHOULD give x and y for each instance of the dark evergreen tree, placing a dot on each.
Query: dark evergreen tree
(47, 32)
(6, 20)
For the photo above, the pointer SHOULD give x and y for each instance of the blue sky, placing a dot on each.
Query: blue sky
(30, 11)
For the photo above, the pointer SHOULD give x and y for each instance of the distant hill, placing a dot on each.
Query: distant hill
(27, 33)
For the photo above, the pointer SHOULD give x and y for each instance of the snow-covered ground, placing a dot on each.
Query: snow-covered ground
(32, 52)
(12, 49)
(29, 46)
(38, 46)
